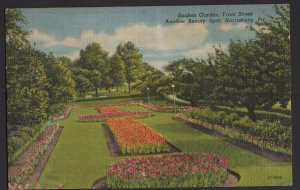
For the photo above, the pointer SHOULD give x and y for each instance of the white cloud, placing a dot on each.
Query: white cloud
(158, 64)
(202, 51)
(36, 35)
(262, 28)
(74, 55)
(229, 26)
(159, 37)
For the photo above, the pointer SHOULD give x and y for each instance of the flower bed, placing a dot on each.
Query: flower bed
(26, 170)
(170, 170)
(136, 138)
(105, 115)
(262, 134)
(103, 109)
(16, 186)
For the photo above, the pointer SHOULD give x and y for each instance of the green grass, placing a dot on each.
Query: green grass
(122, 91)
(81, 155)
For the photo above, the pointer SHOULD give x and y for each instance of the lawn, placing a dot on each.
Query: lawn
(81, 155)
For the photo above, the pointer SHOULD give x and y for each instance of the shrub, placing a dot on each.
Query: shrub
(267, 131)
(260, 114)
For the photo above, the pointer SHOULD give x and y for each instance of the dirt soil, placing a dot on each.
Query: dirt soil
(114, 149)
(274, 156)
(16, 166)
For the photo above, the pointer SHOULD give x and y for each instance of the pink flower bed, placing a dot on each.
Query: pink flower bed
(176, 164)
(112, 114)
(26, 170)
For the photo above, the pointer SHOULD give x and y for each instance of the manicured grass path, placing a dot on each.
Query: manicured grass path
(81, 155)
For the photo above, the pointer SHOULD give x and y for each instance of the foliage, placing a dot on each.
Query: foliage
(273, 37)
(284, 119)
(116, 71)
(61, 87)
(153, 79)
(15, 35)
(43, 142)
(21, 138)
(192, 78)
(94, 59)
(83, 80)
(267, 133)
(27, 85)
(132, 59)
(170, 170)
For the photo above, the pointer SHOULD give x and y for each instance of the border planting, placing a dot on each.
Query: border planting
(265, 135)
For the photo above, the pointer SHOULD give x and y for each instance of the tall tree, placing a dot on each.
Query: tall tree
(15, 35)
(62, 85)
(94, 59)
(27, 97)
(132, 60)
(273, 37)
(82, 79)
(117, 71)
(153, 79)
(192, 79)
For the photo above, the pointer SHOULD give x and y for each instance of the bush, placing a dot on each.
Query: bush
(260, 114)
(21, 139)
(268, 131)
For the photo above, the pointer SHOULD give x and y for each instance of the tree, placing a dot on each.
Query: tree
(83, 83)
(62, 85)
(151, 78)
(192, 79)
(117, 71)
(15, 35)
(273, 37)
(94, 58)
(132, 60)
(27, 96)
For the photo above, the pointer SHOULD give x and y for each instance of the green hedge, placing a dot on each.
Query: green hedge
(260, 114)
(276, 110)
(208, 179)
(268, 131)
(108, 98)
(145, 149)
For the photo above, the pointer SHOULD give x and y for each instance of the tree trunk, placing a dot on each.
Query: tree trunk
(96, 91)
(129, 87)
(251, 112)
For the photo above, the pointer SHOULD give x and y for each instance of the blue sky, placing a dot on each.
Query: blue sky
(64, 31)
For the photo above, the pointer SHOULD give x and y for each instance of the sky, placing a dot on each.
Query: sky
(65, 31)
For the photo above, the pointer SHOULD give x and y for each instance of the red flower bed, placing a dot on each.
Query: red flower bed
(160, 169)
(167, 165)
(105, 115)
(104, 109)
(130, 132)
